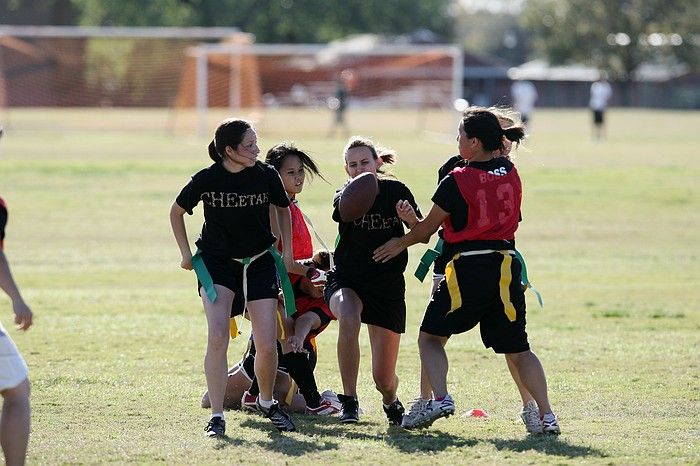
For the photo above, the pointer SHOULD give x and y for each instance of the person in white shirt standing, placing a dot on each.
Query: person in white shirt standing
(601, 92)
(524, 95)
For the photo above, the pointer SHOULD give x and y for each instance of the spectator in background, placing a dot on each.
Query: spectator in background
(601, 92)
(339, 102)
(524, 95)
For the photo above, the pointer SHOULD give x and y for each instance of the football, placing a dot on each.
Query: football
(358, 196)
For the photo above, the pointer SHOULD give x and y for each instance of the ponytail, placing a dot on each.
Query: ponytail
(386, 155)
(514, 133)
(229, 133)
(213, 153)
(483, 124)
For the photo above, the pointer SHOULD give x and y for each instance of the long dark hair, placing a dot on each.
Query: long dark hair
(229, 133)
(276, 155)
(483, 124)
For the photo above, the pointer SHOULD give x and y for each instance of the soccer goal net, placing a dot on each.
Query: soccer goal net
(178, 77)
(45, 70)
(265, 76)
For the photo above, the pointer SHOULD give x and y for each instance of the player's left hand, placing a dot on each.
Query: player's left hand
(388, 250)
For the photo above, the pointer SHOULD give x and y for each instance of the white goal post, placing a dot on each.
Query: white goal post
(405, 83)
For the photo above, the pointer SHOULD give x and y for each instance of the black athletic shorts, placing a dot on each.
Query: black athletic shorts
(598, 117)
(439, 264)
(479, 284)
(263, 282)
(383, 298)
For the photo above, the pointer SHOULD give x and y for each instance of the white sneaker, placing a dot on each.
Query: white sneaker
(417, 405)
(530, 415)
(332, 398)
(550, 424)
(433, 410)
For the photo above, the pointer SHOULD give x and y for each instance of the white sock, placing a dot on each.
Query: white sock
(221, 415)
(265, 403)
(387, 406)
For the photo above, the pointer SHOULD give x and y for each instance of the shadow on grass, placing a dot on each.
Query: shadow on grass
(289, 444)
(547, 444)
(227, 442)
(426, 441)
(327, 434)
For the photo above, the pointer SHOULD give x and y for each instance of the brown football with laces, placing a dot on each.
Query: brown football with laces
(358, 196)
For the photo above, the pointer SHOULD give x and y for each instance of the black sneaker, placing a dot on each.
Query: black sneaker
(279, 418)
(394, 413)
(215, 428)
(350, 409)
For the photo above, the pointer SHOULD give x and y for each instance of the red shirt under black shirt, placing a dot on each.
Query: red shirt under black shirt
(449, 198)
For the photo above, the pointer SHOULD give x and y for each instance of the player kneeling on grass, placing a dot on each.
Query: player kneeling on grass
(312, 315)
(479, 208)
(237, 256)
(360, 290)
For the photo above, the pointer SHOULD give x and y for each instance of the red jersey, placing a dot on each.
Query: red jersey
(493, 198)
(301, 238)
(304, 249)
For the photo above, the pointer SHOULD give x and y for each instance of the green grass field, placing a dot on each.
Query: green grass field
(610, 233)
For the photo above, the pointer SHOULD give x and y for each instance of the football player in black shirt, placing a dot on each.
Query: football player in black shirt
(360, 290)
(236, 257)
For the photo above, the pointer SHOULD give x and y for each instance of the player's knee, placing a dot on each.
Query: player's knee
(217, 340)
(386, 382)
(426, 339)
(349, 317)
(265, 349)
(18, 394)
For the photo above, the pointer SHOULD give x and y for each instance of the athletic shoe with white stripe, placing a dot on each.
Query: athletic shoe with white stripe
(324, 408)
(550, 425)
(332, 398)
(435, 409)
(394, 412)
(215, 428)
(279, 418)
(350, 409)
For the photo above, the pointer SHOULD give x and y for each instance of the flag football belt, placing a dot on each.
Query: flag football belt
(432, 254)
(208, 284)
(504, 283)
(524, 280)
(427, 260)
